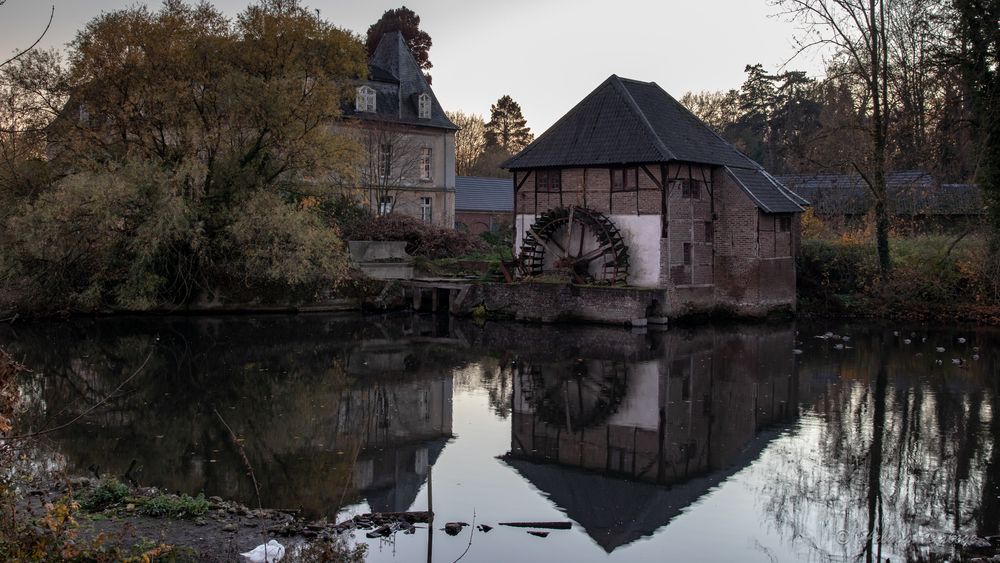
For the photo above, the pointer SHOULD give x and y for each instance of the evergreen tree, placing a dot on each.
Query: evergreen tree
(979, 59)
(507, 128)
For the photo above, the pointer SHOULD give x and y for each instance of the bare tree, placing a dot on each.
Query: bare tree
(470, 140)
(393, 160)
(717, 109)
(856, 30)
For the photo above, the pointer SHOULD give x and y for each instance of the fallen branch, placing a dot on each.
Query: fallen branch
(243, 456)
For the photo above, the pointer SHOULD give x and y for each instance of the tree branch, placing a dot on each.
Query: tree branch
(18, 55)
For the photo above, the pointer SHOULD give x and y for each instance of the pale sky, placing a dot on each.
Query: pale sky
(547, 54)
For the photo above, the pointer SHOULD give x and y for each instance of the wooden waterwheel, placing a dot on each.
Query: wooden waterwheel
(577, 241)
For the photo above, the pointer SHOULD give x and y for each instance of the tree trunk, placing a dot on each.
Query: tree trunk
(879, 90)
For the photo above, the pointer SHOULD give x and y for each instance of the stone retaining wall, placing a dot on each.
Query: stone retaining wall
(544, 302)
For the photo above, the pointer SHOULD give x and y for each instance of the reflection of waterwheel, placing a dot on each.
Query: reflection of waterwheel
(578, 241)
(577, 396)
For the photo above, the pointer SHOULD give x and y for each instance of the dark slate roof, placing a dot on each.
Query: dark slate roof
(473, 193)
(398, 80)
(626, 121)
(769, 194)
(911, 192)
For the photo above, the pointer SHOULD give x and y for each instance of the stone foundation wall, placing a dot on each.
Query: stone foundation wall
(542, 302)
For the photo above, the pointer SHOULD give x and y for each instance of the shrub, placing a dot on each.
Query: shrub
(174, 506)
(935, 275)
(275, 242)
(827, 268)
(108, 492)
(422, 238)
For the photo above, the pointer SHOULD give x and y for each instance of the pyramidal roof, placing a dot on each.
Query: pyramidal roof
(626, 121)
(398, 82)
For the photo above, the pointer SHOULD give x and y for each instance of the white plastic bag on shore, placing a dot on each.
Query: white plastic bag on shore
(269, 552)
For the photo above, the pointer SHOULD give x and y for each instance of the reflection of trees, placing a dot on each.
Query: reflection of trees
(313, 408)
(894, 457)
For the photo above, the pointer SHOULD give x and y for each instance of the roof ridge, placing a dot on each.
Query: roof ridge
(658, 143)
(637, 81)
(705, 125)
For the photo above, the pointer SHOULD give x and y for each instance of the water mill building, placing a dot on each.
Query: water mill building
(631, 188)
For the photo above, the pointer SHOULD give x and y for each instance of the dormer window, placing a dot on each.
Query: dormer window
(424, 106)
(365, 100)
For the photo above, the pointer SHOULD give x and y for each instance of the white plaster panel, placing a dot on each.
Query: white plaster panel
(642, 235)
(641, 407)
(640, 232)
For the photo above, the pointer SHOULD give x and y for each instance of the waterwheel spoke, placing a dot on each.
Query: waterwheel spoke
(594, 254)
(554, 242)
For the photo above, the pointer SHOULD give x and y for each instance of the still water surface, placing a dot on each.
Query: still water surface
(733, 443)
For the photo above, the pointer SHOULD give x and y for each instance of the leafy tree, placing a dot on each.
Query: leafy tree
(507, 128)
(470, 140)
(184, 116)
(407, 22)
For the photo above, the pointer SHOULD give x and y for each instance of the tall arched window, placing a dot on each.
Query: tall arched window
(365, 100)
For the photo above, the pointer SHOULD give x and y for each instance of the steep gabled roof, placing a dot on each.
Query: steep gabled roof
(626, 121)
(473, 193)
(398, 81)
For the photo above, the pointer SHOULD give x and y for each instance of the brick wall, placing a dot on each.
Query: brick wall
(755, 264)
(591, 188)
(479, 222)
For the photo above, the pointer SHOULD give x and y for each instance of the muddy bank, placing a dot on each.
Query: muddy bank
(108, 516)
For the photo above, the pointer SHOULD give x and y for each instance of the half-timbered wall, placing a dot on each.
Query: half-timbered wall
(706, 243)
(636, 211)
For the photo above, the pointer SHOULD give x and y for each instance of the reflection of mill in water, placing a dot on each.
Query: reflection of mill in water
(623, 446)
(581, 395)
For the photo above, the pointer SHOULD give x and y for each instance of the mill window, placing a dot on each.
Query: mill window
(548, 180)
(625, 179)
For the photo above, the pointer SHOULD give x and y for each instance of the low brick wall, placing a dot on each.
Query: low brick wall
(544, 302)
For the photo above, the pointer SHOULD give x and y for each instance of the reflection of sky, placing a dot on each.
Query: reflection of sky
(797, 476)
(724, 525)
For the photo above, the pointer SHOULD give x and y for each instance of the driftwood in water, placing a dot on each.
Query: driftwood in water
(543, 525)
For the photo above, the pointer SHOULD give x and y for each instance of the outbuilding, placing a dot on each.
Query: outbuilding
(630, 188)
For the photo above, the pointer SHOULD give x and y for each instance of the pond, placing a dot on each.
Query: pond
(807, 442)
